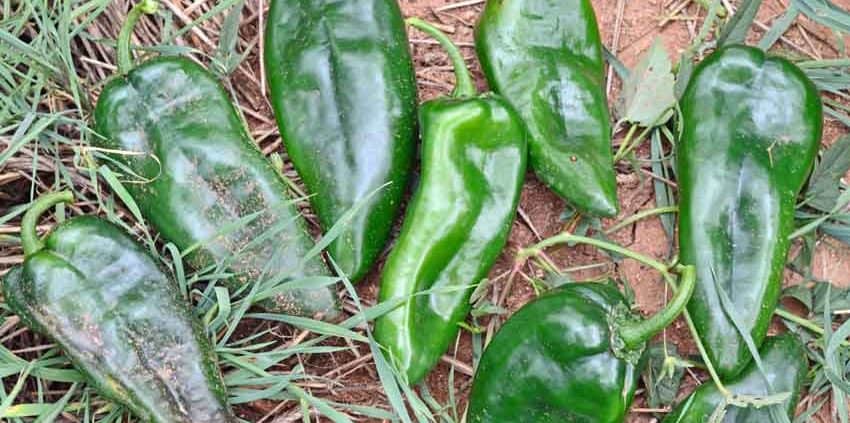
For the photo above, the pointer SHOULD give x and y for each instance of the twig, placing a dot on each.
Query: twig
(458, 5)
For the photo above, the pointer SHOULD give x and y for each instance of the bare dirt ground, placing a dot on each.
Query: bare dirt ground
(628, 28)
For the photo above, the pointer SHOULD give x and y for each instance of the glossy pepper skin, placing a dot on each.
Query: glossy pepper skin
(201, 180)
(343, 91)
(473, 164)
(785, 365)
(572, 355)
(752, 127)
(545, 58)
(119, 318)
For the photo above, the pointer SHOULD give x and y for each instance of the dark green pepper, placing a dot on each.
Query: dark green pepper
(545, 57)
(473, 164)
(752, 128)
(785, 365)
(572, 355)
(205, 185)
(342, 87)
(95, 292)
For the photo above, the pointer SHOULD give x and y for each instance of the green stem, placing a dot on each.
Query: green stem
(125, 56)
(661, 267)
(700, 347)
(704, 354)
(626, 141)
(29, 237)
(803, 322)
(640, 216)
(707, 6)
(566, 237)
(465, 87)
(634, 334)
(808, 324)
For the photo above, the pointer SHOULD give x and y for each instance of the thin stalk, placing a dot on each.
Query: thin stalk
(636, 333)
(566, 237)
(704, 354)
(700, 347)
(465, 87)
(637, 142)
(808, 324)
(803, 322)
(626, 141)
(125, 56)
(29, 237)
(640, 216)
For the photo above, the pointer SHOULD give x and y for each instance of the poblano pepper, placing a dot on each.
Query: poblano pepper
(545, 58)
(342, 87)
(572, 355)
(473, 164)
(785, 370)
(752, 127)
(202, 182)
(96, 293)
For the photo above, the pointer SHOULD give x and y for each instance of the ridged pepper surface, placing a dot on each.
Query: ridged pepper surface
(343, 90)
(202, 182)
(119, 318)
(752, 128)
(572, 355)
(785, 365)
(545, 58)
(473, 165)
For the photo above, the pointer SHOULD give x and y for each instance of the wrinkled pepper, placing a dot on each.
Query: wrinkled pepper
(202, 182)
(572, 355)
(118, 317)
(752, 128)
(473, 164)
(343, 91)
(545, 58)
(785, 365)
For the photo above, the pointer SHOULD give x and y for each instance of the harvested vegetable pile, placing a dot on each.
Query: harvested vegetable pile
(649, 211)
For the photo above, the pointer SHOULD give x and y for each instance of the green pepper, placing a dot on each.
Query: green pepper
(545, 57)
(119, 318)
(785, 364)
(343, 91)
(202, 182)
(572, 355)
(752, 127)
(473, 164)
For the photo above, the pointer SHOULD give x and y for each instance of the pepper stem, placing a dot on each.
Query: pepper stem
(125, 56)
(29, 238)
(635, 333)
(465, 87)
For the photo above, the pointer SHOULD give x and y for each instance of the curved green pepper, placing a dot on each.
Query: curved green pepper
(545, 57)
(572, 355)
(93, 290)
(785, 363)
(342, 87)
(206, 186)
(473, 164)
(752, 128)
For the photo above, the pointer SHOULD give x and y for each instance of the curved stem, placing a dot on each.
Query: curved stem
(29, 237)
(465, 87)
(635, 333)
(567, 237)
(125, 57)
(695, 336)
(640, 216)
